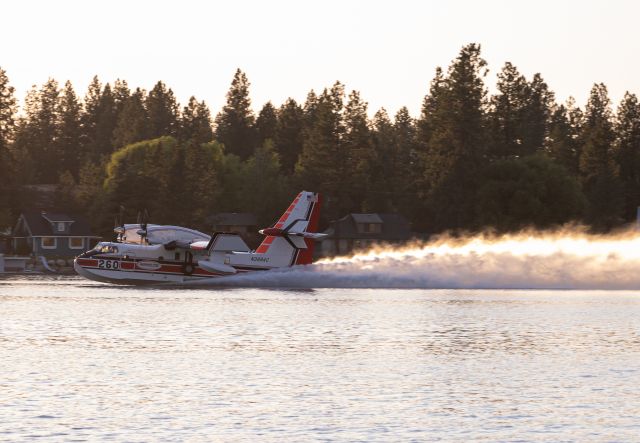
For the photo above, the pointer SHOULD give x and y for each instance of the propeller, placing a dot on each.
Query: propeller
(143, 218)
(119, 224)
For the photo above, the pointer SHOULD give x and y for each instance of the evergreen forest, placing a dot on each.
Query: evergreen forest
(470, 161)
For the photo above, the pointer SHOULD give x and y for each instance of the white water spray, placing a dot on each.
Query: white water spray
(564, 259)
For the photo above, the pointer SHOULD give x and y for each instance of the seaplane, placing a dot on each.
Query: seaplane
(151, 254)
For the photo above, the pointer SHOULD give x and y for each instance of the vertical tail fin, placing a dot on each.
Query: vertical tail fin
(285, 238)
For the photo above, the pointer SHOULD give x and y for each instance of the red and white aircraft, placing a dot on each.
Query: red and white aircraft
(172, 254)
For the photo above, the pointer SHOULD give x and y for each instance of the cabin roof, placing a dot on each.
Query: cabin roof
(39, 223)
(366, 218)
(394, 227)
(57, 217)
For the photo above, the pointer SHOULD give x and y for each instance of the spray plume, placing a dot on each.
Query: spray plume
(562, 259)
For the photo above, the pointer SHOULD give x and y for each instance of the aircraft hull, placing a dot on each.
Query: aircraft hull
(127, 272)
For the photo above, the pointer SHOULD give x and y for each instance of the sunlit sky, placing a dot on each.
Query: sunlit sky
(388, 50)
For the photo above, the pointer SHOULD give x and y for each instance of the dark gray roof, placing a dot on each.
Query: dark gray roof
(56, 217)
(234, 219)
(39, 225)
(366, 218)
(394, 228)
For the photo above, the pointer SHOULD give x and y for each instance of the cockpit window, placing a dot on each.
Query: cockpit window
(106, 249)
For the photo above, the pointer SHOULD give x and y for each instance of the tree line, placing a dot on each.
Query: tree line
(469, 161)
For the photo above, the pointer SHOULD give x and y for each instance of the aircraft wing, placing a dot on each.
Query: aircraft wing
(196, 245)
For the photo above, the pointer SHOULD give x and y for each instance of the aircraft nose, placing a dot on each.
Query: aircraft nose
(80, 270)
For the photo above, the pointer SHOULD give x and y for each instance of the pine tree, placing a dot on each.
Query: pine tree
(37, 136)
(383, 180)
(106, 124)
(519, 115)
(597, 167)
(235, 123)
(359, 154)
(627, 129)
(99, 120)
(68, 144)
(562, 145)
(409, 169)
(195, 122)
(288, 135)
(8, 109)
(133, 121)
(453, 134)
(322, 165)
(507, 117)
(266, 123)
(90, 118)
(309, 109)
(121, 94)
(162, 109)
(540, 102)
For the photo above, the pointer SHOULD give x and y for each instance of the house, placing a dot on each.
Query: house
(244, 223)
(240, 222)
(360, 231)
(51, 234)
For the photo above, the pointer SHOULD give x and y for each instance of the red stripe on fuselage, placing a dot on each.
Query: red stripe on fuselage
(130, 267)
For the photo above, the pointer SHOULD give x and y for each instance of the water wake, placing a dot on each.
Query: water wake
(564, 259)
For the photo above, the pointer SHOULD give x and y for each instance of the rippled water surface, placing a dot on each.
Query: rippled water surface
(84, 361)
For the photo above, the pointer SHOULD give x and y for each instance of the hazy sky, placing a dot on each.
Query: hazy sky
(387, 50)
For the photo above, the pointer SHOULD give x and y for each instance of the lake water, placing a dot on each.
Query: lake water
(82, 361)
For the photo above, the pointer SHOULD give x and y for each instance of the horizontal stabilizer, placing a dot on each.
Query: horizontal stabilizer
(297, 242)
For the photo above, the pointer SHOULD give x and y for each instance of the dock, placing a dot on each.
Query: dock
(12, 263)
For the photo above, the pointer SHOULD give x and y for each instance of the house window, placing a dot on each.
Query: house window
(49, 243)
(76, 243)
(60, 227)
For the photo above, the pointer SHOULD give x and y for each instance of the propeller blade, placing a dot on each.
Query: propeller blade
(145, 219)
(121, 216)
